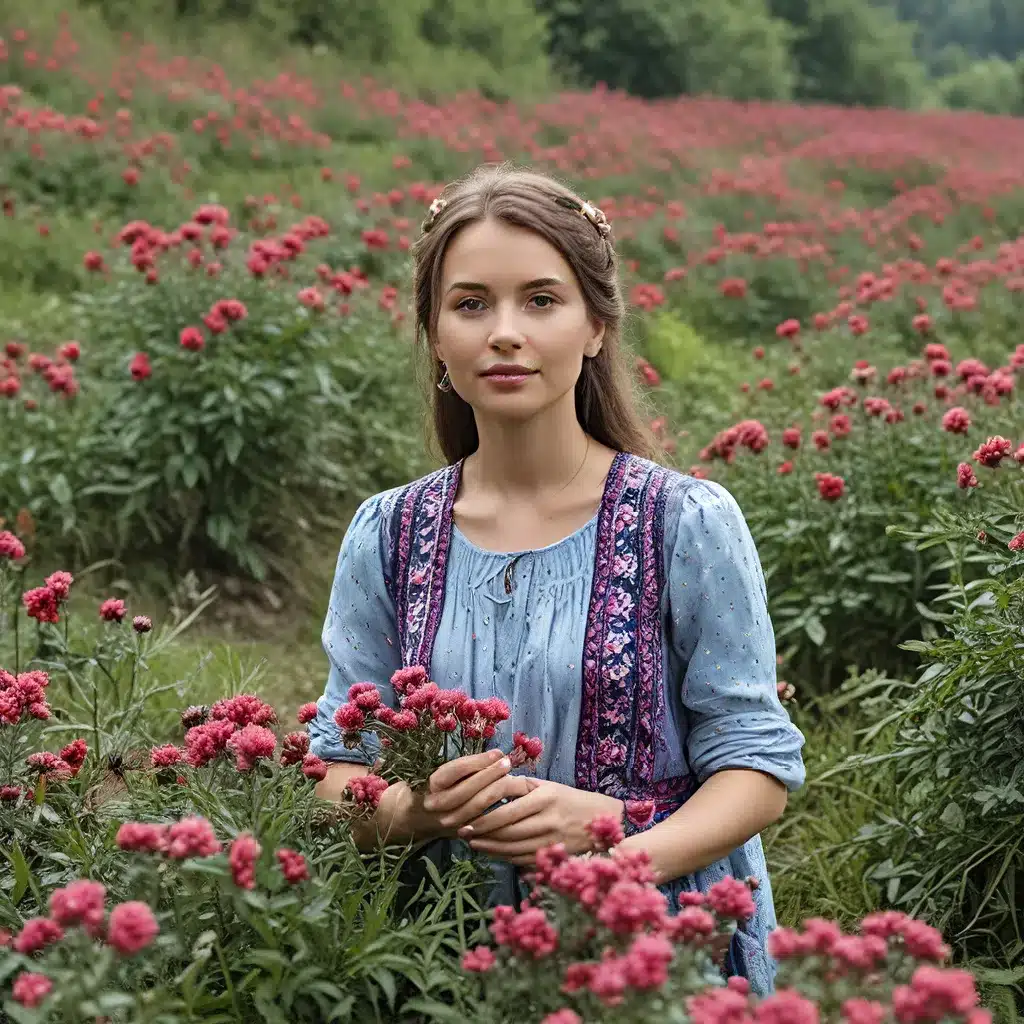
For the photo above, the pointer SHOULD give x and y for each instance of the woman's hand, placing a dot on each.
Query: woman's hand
(456, 793)
(548, 813)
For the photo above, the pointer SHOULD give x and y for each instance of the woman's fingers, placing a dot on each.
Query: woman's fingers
(534, 800)
(452, 772)
(510, 786)
(441, 800)
(526, 828)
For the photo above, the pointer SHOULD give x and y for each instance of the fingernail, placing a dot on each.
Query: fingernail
(466, 830)
(495, 754)
(506, 764)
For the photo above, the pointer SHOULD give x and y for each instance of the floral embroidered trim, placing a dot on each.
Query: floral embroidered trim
(419, 528)
(623, 690)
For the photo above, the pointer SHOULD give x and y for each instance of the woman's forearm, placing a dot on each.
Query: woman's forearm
(388, 825)
(731, 807)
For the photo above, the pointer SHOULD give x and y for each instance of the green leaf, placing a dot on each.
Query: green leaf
(952, 817)
(233, 443)
(60, 489)
(999, 976)
(815, 631)
(22, 875)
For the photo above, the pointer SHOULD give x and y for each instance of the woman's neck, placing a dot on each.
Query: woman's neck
(527, 460)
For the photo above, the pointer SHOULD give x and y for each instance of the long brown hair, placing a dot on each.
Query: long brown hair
(607, 399)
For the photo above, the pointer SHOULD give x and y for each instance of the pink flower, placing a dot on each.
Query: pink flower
(525, 750)
(565, 1016)
(243, 856)
(205, 742)
(791, 437)
(862, 1011)
(365, 792)
(293, 866)
(786, 1007)
(405, 680)
(307, 712)
(250, 744)
(716, 1005)
(140, 367)
(54, 768)
(934, 993)
(191, 338)
(350, 719)
(606, 831)
(81, 902)
(788, 329)
(112, 610)
(142, 837)
(629, 907)
(60, 583)
(294, 747)
(923, 941)
(74, 755)
(478, 960)
(142, 624)
(314, 767)
(830, 487)
(165, 756)
(956, 420)
(691, 924)
(528, 933)
(1017, 543)
(37, 933)
(10, 546)
(732, 898)
(132, 927)
(646, 962)
(244, 709)
(41, 604)
(312, 298)
(965, 476)
(192, 837)
(31, 989)
(993, 451)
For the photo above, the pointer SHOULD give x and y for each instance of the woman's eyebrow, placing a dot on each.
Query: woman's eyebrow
(476, 286)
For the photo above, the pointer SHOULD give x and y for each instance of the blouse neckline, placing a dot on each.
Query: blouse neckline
(566, 540)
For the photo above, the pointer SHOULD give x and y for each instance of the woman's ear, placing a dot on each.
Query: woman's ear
(596, 339)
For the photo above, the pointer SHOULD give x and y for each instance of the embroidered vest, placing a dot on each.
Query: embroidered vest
(623, 691)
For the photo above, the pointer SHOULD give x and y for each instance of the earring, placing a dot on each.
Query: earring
(445, 384)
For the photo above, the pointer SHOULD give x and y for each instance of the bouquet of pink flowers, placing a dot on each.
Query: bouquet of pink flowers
(430, 727)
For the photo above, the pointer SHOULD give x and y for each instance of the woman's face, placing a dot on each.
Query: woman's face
(508, 297)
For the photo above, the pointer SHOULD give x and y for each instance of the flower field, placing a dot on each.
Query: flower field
(206, 362)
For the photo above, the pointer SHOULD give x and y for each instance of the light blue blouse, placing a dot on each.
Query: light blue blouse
(721, 705)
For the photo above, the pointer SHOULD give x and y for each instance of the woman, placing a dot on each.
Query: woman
(618, 607)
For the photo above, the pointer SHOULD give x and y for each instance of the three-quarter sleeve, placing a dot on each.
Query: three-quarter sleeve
(360, 635)
(723, 634)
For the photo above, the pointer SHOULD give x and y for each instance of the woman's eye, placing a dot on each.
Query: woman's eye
(548, 298)
(462, 304)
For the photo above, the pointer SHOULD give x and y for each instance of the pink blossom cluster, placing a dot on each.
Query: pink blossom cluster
(10, 547)
(363, 794)
(23, 695)
(130, 928)
(43, 603)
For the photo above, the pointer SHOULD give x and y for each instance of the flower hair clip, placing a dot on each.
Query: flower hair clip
(435, 208)
(589, 211)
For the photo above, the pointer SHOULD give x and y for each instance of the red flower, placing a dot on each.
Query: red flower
(785, 468)
(37, 933)
(192, 338)
(243, 709)
(293, 866)
(192, 837)
(525, 750)
(132, 927)
(312, 298)
(10, 546)
(205, 742)
(830, 487)
(314, 768)
(732, 898)
(295, 747)
(251, 743)
(112, 610)
(791, 437)
(965, 476)
(365, 791)
(81, 902)
(31, 989)
(242, 857)
(956, 420)
(70, 350)
(142, 837)
(41, 604)
(307, 712)
(74, 755)
(922, 323)
(821, 440)
(650, 375)
(140, 367)
(93, 261)
(993, 451)
(478, 960)
(1017, 543)
(788, 329)
(166, 756)
(54, 768)
(606, 831)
